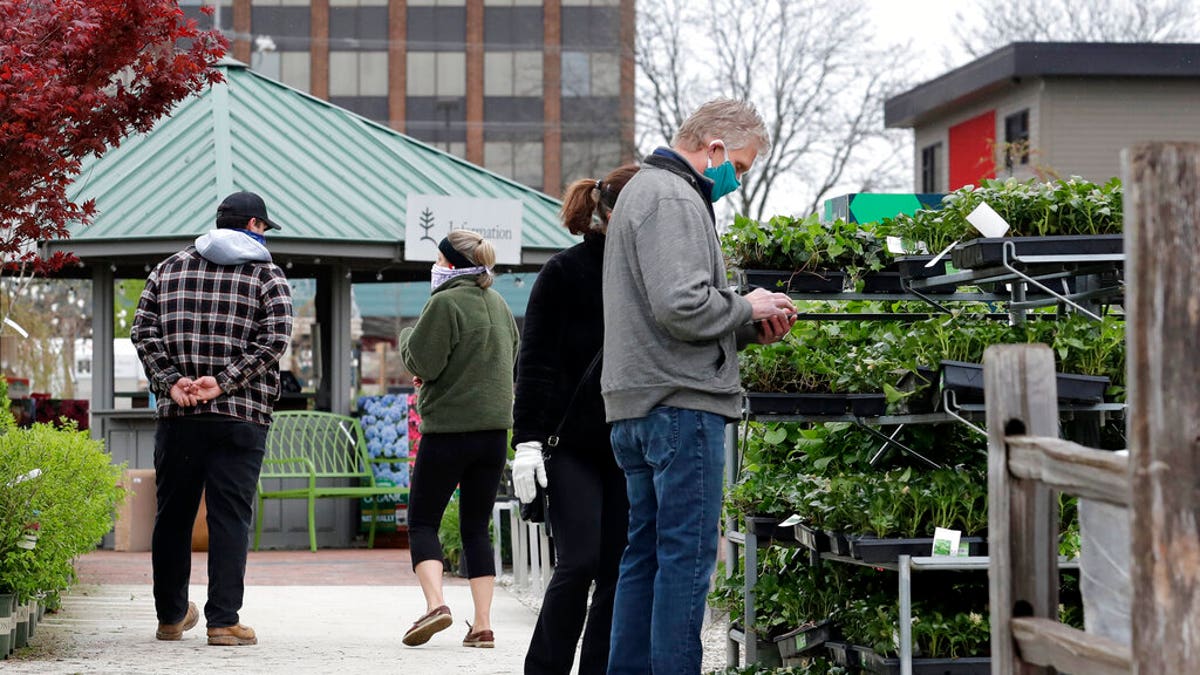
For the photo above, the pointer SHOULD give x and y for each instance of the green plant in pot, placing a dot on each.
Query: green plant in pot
(803, 245)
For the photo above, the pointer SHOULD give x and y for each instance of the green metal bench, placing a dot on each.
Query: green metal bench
(319, 448)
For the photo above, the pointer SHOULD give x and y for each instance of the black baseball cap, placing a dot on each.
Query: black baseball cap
(246, 205)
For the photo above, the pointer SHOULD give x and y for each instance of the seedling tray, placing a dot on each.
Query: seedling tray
(867, 405)
(805, 638)
(989, 251)
(841, 654)
(873, 550)
(913, 267)
(839, 543)
(966, 379)
(783, 281)
(763, 527)
(862, 405)
(872, 662)
(883, 281)
(809, 538)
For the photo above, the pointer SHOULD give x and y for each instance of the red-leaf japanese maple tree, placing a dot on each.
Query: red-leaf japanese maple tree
(77, 76)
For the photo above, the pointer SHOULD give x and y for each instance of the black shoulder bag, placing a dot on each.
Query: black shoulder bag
(536, 511)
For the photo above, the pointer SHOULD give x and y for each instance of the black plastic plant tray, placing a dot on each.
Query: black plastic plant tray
(867, 405)
(913, 267)
(871, 662)
(873, 550)
(839, 543)
(805, 638)
(763, 527)
(762, 403)
(809, 538)
(841, 654)
(989, 251)
(883, 281)
(823, 281)
(966, 379)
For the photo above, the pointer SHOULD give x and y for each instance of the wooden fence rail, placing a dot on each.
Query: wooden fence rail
(1159, 481)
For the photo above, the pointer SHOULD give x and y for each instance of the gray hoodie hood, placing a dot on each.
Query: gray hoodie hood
(231, 247)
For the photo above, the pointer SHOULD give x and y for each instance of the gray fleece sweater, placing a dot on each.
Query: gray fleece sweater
(671, 322)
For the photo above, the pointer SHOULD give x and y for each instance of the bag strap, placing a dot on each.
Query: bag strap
(552, 441)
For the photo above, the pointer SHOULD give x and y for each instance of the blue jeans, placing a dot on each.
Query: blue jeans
(673, 460)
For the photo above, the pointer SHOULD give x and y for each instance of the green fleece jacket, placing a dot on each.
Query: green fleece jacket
(463, 348)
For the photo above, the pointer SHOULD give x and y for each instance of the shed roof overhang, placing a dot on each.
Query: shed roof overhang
(1008, 66)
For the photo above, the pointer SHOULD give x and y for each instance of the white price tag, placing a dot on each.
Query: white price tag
(989, 223)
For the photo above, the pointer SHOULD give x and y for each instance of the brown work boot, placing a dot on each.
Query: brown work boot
(232, 636)
(484, 638)
(424, 628)
(174, 631)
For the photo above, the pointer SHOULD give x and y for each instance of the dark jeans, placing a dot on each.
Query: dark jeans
(589, 514)
(673, 460)
(473, 461)
(222, 457)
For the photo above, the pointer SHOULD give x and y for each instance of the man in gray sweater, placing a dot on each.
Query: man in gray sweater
(672, 328)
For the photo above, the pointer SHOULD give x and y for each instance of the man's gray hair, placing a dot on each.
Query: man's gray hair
(735, 122)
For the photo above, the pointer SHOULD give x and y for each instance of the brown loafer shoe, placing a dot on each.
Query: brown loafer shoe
(232, 636)
(424, 628)
(483, 639)
(174, 631)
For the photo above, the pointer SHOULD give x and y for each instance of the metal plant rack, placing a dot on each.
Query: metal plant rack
(1020, 275)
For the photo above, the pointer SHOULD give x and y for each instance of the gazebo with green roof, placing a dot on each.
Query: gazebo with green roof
(338, 184)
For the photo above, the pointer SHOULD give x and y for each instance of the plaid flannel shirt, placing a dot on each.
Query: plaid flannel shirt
(232, 322)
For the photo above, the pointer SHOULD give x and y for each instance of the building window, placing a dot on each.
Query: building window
(1016, 139)
(437, 74)
(590, 74)
(512, 74)
(290, 68)
(521, 162)
(929, 167)
(589, 159)
(358, 74)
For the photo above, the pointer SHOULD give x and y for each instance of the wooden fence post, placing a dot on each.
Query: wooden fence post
(1021, 398)
(1162, 253)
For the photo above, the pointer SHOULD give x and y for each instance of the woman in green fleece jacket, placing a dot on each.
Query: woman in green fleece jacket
(461, 352)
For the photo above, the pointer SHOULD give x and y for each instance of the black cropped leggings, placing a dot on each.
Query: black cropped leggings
(473, 461)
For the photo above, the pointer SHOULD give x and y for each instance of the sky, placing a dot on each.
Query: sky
(926, 24)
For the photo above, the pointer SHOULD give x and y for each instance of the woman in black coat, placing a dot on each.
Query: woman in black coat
(589, 512)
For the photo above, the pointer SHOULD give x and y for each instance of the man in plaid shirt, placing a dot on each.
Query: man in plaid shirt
(210, 328)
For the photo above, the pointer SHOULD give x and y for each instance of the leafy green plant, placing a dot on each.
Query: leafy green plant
(450, 536)
(804, 245)
(58, 494)
(1031, 208)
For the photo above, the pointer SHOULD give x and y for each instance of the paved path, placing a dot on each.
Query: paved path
(332, 611)
(301, 629)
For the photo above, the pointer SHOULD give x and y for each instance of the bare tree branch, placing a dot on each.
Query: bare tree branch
(813, 73)
(996, 24)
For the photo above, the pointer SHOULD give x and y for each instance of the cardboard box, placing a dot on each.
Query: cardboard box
(135, 517)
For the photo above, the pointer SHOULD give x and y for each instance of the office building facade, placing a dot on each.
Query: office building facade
(540, 91)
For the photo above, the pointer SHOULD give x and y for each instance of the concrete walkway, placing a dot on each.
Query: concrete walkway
(109, 627)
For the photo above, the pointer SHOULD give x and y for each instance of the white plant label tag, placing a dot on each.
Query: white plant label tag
(989, 223)
(793, 519)
(945, 542)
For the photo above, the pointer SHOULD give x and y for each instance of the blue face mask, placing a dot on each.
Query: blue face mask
(724, 177)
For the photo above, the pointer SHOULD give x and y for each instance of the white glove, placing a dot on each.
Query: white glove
(528, 464)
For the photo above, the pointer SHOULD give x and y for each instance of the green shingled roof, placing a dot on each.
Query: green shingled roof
(326, 173)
